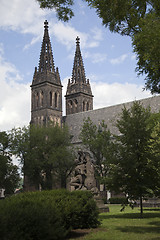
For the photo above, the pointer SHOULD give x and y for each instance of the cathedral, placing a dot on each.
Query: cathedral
(46, 102)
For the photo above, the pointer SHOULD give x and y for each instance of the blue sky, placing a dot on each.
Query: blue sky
(108, 58)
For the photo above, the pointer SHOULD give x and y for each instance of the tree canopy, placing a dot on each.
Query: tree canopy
(138, 19)
(62, 8)
(135, 169)
(9, 176)
(98, 140)
(45, 153)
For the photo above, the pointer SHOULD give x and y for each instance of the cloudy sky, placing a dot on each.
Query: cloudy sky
(108, 58)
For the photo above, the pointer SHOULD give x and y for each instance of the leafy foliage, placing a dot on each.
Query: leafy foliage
(46, 215)
(9, 176)
(98, 140)
(62, 8)
(134, 170)
(45, 153)
(146, 46)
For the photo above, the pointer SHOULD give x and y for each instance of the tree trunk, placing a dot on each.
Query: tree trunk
(63, 182)
(141, 207)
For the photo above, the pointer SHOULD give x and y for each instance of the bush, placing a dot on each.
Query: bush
(83, 211)
(27, 217)
(48, 215)
(118, 200)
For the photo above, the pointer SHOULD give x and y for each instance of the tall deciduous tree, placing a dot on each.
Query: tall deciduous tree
(45, 153)
(99, 141)
(9, 176)
(155, 149)
(134, 170)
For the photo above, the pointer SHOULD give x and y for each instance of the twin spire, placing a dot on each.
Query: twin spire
(47, 74)
(78, 72)
(46, 62)
(46, 70)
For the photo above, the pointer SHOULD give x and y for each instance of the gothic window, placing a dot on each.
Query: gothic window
(55, 100)
(50, 99)
(84, 106)
(87, 106)
(37, 99)
(70, 105)
(75, 105)
(41, 99)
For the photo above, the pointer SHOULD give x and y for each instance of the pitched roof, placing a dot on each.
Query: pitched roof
(108, 114)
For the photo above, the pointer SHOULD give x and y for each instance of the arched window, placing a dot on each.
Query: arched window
(41, 99)
(70, 105)
(50, 99)
(55, 100)
(37, 99)
(84, 104)
(75, 105)
(87, 106)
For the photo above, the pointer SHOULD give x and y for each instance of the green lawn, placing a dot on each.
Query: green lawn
(126, 225)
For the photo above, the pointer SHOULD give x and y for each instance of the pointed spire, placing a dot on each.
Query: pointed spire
(46, 70)
(46, 62)
(78, 73)
(78, 82)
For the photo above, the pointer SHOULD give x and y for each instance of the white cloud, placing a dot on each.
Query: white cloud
(95, 57)
(119, 60)
(24, 17)
(110, 94)
(97, 34)
(66, 34)
(133, 57)
(21, 15)
(14, 97)
(116, 93)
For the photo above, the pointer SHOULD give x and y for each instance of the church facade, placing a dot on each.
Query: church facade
(46, 102)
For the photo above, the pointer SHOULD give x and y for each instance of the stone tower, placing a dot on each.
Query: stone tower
(46, 88)
(79, 96)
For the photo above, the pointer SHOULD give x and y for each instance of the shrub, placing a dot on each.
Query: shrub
(84, 211)
(118, 200)
(46, 215)
(27, 217)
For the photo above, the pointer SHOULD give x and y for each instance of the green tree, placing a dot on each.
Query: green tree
(98, 140)
(134, 172)
(155, 149)
(137, 19)
(9, 176)
(62, 8)
(45, 153)
(146, 46)
(20, 143)
(51, 147)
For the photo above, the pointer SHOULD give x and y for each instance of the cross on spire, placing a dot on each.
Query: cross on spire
(45, 24)
(46, 62)
(77, 40)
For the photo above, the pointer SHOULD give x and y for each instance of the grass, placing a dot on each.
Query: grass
(125, 225)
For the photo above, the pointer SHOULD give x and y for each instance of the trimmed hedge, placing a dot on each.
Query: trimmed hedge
(118, 200)
(48, 215)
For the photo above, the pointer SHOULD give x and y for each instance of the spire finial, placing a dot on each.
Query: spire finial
(77, 40)
(45, 24)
